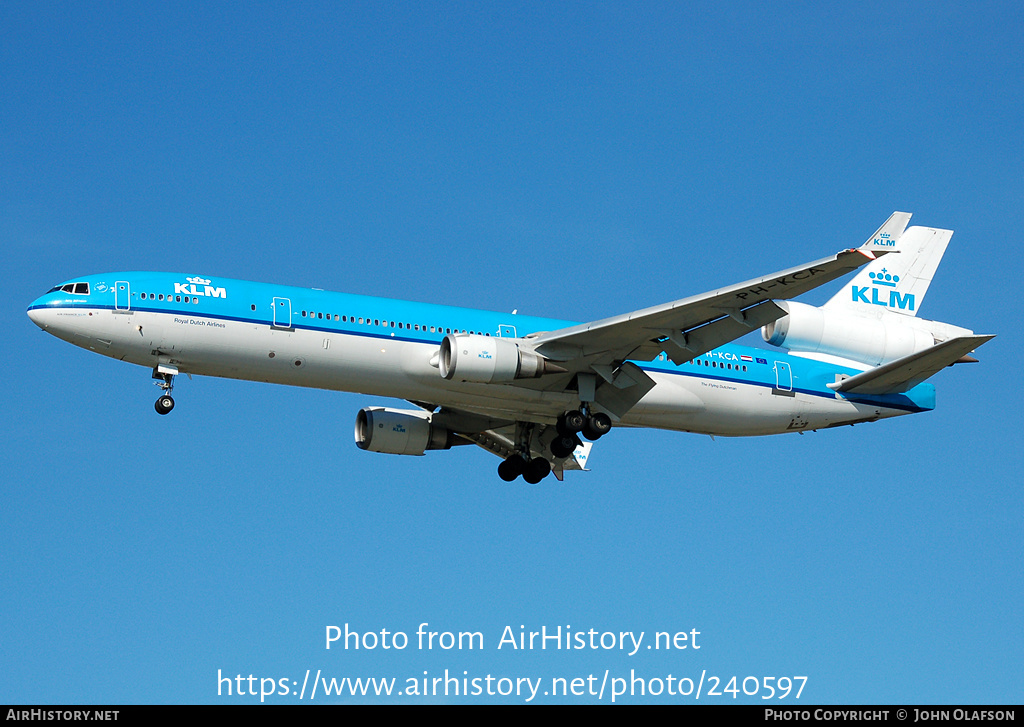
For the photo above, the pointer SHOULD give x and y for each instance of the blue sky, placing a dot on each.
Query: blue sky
(570, 160)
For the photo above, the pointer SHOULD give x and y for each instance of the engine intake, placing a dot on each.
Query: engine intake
(489, 360)
(399, 431)
(836, 333)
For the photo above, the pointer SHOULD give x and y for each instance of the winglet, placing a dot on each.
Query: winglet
(885, 238)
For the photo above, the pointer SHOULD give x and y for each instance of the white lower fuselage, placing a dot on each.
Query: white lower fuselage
(692, 397)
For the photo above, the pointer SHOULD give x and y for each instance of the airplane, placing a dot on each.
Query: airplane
(539, 392)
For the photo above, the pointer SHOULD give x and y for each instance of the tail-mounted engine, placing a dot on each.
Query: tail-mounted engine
(489, 360)
(820, 330)
(398, 431)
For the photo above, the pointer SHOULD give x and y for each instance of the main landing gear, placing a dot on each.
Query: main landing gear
(165, 374)
(567, 438)
(533, 470)
(592, 426)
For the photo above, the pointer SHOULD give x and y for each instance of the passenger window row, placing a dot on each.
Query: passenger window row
(716, 364)
(168, 298)
(383, 323)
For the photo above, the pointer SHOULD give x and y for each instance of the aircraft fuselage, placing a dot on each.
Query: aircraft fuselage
(383, 347)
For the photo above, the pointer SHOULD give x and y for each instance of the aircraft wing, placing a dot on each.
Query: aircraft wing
(687, 328)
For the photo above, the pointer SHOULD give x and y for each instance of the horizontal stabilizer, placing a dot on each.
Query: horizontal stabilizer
(903, 374)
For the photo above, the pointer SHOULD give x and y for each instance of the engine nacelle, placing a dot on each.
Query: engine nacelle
(489, 360)
(836, 333)
(398, 431)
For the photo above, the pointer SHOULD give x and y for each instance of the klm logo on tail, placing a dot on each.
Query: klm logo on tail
(881, 291)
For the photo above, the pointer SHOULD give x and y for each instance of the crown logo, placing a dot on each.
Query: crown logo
(198, 281)
(884, 278)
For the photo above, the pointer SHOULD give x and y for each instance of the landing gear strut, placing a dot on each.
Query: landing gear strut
(165, 374)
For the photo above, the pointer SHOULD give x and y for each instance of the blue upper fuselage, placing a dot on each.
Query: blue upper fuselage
(202, 298)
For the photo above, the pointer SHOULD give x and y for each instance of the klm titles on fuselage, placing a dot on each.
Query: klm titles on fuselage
(192, 287)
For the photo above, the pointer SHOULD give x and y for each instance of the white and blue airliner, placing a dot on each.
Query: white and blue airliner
(538, 392)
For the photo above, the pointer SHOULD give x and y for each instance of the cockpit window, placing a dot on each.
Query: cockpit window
(76, 288)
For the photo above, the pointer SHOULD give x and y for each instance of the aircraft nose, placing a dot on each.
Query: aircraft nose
(37, 313)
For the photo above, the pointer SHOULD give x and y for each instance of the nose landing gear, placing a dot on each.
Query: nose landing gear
(164, 405)
(165, 374)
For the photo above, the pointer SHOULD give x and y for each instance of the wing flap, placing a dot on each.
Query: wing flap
(685, 345)
(905, 373)
(625, 388)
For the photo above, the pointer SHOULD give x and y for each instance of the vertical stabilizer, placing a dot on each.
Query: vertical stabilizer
(895, 283)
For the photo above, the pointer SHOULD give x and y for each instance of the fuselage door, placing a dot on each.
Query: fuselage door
(783, 376)
(122, 295)
(282, 313)
(506, 331)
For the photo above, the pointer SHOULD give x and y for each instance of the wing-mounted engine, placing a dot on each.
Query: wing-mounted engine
(833, 332)
(399, 431)
(490, 360)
